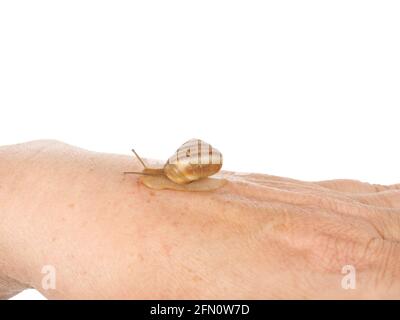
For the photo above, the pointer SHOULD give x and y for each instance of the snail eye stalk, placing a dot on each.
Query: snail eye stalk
(148, 171)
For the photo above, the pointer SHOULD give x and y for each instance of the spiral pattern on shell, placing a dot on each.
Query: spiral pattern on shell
(194, 160)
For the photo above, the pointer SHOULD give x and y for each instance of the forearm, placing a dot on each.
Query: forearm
(59, 205)
(106, 235)
(10, 269)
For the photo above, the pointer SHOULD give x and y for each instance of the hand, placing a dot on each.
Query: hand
(258, 237)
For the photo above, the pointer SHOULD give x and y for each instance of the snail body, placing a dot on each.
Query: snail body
(187, 169)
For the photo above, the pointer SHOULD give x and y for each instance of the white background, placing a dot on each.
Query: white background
(305, 89)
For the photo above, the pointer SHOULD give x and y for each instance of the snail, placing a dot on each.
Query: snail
(187, 170)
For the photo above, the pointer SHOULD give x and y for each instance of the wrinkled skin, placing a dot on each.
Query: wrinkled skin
(258, 237)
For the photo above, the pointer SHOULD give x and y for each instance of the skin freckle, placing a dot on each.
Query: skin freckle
(84, 273)
(196, 278)
(176, 223)
(71, 205)
(280, 227)
(167, 249)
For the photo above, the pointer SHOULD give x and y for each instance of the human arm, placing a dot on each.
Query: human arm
(258, 237)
